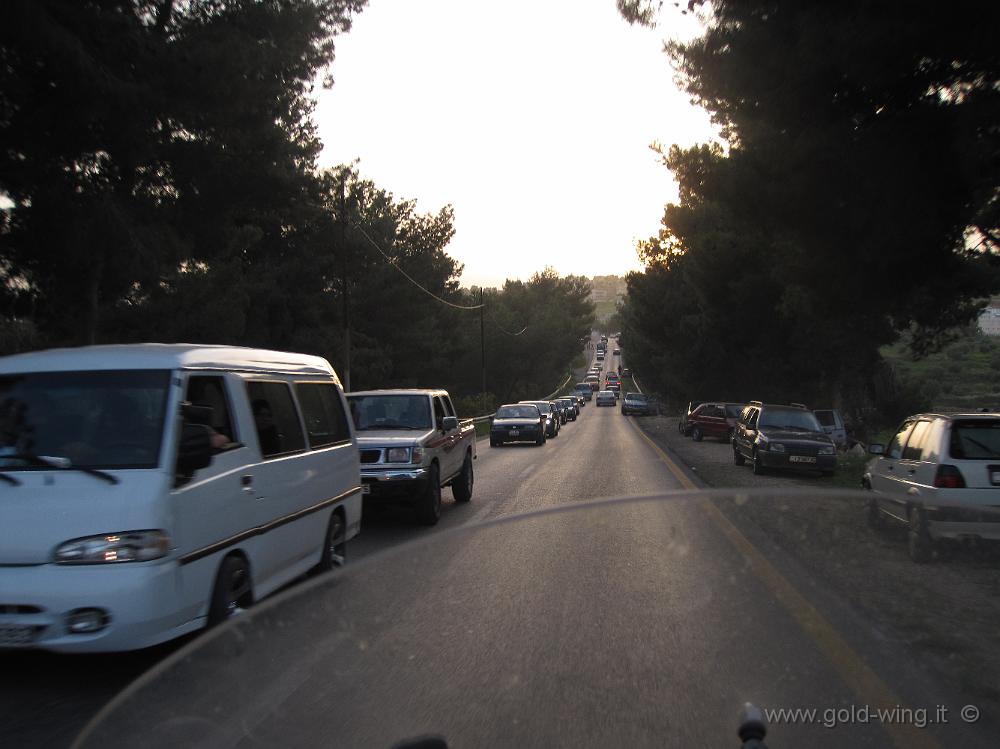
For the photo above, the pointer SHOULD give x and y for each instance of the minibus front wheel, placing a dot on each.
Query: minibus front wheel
(232, 592)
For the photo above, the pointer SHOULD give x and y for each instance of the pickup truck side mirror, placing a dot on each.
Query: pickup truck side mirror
(448, 423)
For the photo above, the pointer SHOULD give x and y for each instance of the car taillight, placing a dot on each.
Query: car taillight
(949, 477)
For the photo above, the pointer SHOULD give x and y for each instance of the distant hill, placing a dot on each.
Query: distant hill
(606, 292)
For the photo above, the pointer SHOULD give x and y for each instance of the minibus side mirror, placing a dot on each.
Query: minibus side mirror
(195, 449)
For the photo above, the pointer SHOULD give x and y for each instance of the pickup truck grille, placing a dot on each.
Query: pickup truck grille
(370, 456)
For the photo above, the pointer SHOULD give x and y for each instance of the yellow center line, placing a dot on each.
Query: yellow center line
(849, 665)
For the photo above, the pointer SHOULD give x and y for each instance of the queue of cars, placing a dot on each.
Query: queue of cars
(533, 421)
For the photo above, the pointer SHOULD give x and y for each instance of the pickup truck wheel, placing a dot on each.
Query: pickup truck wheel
(738, 458)
(429, 505)
(696, 434)
(461, 487)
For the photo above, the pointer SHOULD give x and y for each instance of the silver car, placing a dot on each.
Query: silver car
(606, 398)
(833, 424)
(939, 475)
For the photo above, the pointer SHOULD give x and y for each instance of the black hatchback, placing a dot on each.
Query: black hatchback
(790, 437)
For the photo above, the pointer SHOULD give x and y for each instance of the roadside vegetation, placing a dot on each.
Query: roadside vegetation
(852, 198)
(182, 201)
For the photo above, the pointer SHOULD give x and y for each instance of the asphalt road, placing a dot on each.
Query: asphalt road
(636, 624)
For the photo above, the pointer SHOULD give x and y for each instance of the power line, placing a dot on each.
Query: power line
(409, 277)
(504, 330)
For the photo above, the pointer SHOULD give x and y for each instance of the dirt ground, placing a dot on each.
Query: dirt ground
(947, 611)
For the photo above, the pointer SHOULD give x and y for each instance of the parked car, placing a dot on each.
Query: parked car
(606, 398)
(517, 422)
(940, 476)
(637, 404)
(584, 390)
(833, 424)
(682, 424)
(716, 420)
(626, 372)
(412, 445)
(551, 413)
(778, 436)
(154, 489)
(570, 406)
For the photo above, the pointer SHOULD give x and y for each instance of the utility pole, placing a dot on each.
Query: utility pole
(346, 311)
(482, 339)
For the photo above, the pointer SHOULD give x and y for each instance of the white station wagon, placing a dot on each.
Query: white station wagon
(149, 490)
(940, 475)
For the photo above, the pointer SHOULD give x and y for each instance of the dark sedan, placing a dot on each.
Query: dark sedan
(552, 414)
(517, 422)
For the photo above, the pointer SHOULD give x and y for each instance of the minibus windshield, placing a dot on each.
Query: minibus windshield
(94, 419)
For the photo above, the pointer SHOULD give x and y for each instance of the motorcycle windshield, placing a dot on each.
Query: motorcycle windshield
(638, 622)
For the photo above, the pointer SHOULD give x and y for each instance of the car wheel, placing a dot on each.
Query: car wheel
(758, 467)
(461, 487)
(918, 539)
(335, 544)
(429, 505)
(232, 592)
(876, 521)
(738, 458)
(680, 427)
(696, 434)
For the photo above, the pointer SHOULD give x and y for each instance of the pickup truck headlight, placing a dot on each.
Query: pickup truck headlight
(828, 450)
(127, 546)
(397, 455)
(418, 455)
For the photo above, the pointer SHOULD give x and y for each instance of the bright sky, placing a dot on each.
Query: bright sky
(533, 118)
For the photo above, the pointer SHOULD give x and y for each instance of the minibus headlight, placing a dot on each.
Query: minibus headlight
(128, 546)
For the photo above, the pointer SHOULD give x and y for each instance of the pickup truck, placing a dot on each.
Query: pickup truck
(411, 445)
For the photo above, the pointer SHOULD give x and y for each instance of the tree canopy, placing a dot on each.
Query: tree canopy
(856, 197)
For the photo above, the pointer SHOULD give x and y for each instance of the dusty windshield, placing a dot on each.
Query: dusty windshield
(719, 202)
(111, 419)
(538, 659)
(373, 412)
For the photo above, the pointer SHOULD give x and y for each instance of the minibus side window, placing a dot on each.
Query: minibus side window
(276, 418)
(326, 422)
(210, 392)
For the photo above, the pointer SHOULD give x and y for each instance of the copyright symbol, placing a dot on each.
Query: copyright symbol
(970, 713)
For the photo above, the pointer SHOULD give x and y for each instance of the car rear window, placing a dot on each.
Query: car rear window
(977, 439)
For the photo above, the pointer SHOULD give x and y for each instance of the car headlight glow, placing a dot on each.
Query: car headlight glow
(777, 447)
(397, 455)
(113, 548)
